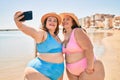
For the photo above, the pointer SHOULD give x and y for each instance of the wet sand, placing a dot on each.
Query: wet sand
(111, 57)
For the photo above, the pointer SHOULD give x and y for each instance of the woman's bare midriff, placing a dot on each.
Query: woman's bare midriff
(71, 58)
(52, 57)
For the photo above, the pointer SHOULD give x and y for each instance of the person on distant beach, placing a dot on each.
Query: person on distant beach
(49, 63)
(78, 49)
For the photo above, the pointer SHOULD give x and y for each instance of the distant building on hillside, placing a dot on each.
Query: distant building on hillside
(105, 21)
(116, 22)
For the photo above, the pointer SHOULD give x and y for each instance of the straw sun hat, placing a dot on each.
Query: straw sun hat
(52, 14)
(71, 15)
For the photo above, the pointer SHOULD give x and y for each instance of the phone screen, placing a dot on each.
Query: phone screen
(27, 16)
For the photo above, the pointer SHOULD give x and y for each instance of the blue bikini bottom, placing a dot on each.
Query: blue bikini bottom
(51, 70)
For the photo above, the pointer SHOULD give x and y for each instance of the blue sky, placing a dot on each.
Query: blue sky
(81, 8)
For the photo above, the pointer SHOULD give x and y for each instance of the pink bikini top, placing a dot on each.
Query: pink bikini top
(72, 46)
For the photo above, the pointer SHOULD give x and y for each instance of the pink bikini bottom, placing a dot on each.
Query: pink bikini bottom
(77, 67)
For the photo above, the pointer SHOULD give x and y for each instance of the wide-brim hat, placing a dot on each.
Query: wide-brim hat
(52, 14)
(71, 15)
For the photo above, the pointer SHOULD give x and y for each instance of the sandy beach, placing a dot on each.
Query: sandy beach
(111, 57)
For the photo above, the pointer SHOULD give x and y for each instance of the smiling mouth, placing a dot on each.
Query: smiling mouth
(52, 25)
(65, 24)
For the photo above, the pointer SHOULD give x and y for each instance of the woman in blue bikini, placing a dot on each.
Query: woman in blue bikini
(49, 63)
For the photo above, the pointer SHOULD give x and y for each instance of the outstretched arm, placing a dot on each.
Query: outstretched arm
(34, 33)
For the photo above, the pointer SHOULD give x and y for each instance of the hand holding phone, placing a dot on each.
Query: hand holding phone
(27, 16)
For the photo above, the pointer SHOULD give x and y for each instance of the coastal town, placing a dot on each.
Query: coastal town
(101, 21)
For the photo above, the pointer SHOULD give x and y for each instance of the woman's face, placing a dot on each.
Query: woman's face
(67, 22)
(51, 23)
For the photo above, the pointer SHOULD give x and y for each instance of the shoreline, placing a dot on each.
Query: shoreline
(9, 30)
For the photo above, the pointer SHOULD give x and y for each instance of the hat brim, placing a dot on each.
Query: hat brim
(71, 15)
(51, 15)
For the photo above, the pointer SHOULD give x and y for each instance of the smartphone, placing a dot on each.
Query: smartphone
(27, 16)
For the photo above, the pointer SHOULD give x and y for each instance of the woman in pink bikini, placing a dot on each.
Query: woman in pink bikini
(77, 47)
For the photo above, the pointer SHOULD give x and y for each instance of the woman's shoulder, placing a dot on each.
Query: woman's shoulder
(42, 35)
(41, 31)
(79, 30)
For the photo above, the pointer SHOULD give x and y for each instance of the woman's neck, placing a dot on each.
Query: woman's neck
(52, 33)
(69, 30)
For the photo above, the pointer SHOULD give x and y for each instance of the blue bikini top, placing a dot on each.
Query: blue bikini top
(50, 45)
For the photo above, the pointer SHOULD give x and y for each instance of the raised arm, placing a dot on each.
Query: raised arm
(34, 33)
(87, 47)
